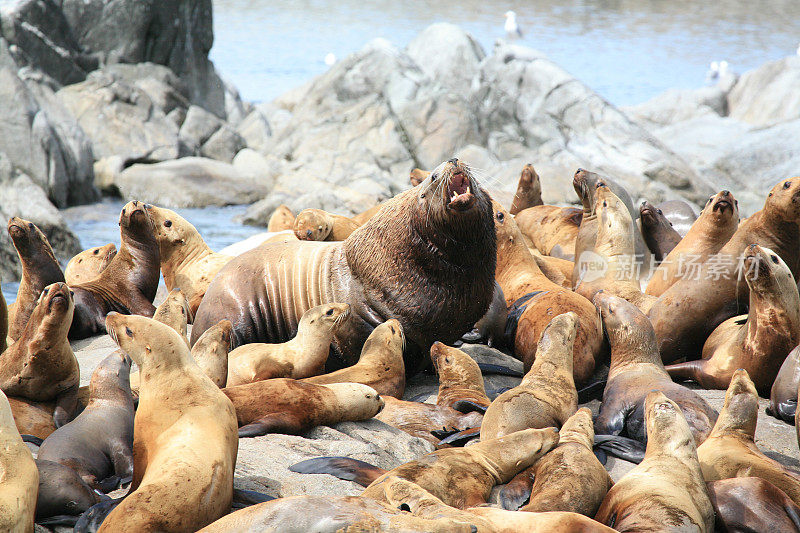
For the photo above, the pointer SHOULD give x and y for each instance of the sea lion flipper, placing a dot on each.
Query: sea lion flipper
(109, 484)
(58, 520)
(245, 498)
(122, 458)
(341, 467)
(468, 406)
(621, 447)
(91, 520)
(488, 368)
(516, 492)
(784, 410)
(591, 391)
(791, 512)
(459, 438)
(66, 406)
(286, 423)
(33, 439)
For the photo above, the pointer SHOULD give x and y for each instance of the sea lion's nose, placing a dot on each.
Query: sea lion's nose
(454, 161)
(308, 232)
(726, 193)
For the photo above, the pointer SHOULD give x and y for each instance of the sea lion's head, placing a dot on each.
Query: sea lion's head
(506, 229)
(387, 336)
(610, 209)
(174, 311)
(626, 327)
(454, 367)
(54, 309)
(360, 401)
(722, 209)
(651, 216)
(171, 229)
(557, 341)
(452, 195)
(405, 495)
(584, 183)
(529, 182)
(111, 376)
(783, 200)
(766, 272)
(28, 239)
(667, 429)
(313, 225)
(148, 342)
(740, 410)
(328, 317)
(135, 220)
(578, 428)
(89, 263)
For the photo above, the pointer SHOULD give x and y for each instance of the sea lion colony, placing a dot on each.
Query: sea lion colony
(294, 334)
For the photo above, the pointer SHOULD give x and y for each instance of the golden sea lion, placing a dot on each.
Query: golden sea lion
(319, 225)
(211, 350)
(460, 380)
(88, 264)
(174, 311)
(551, 230)
(281, 219)
(19, 477)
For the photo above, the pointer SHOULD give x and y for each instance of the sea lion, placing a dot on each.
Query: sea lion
(546, 397)
(635, 370)
(420, 419)
(40, 366)
(174, 312)
(301, 357)
(570, 478)
(752, 504)
(3, 323)
(88, 264)
(33, 418)
(184, 429)
(680, 214)
(426, 258)
(211, 351)
(62, 492)
(40, 268)
(281, 219)
(491, 328)
(417, 176)
(687, 313)
(559, 271)
(99, 442)
(19, 481)
(380, 365)
(730, 450)
(758, 341)
(187, 262)
(551, 229)
(460, 380)
(319, 225)
(128, 284)
(529, 190)
(717, 222)
(666, 491)
(283, 405)
(783, 396)
(657, 230)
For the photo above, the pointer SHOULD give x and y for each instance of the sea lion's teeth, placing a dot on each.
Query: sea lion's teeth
(469, 191)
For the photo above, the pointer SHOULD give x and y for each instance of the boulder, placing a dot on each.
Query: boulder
(252, 163)
(166, 90)
(223, 145)
(448, 54)
(255, 130)
(769, 94)
(675, 106)
(198, 127)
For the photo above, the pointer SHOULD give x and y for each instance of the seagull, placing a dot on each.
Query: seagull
(717, 70)
(511, 27)
(330, 59)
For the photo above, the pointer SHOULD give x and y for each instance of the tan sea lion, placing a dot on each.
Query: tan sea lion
(529, 190)
(758, 341)
(33, 418)
(128, 284)
(19, 482)
(687, 313)
(666, 491)
(417, 176)
(546, 397)
(88, 264)
(211, 351)
(40, 268)
(752, 504)
(40, 366)
(187, 262)
(380, 365)
(281, 219)
(283, 405)
(657, 230)
(3, 323)
(550, 229)
(426, 258)
(730, 450)
(420, 419)
(559, 271)
(708, 234)
(174, 311)
(184, 429)
(460, 380)
(319, 225)
(362, 217)
(301, 357)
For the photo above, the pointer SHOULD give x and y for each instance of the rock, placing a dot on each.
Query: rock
(235, 108)
(447, 54)
(166, 90)
(198, 127)
(679, 105)
(769, 94)
(223, 145)
(252, 163)
(189, 182)
(255, 130)
(106, 171)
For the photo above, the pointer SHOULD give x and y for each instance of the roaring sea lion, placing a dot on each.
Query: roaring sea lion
(460, 380)
(537, 300)
(551, 229)
(99, 442)
(128, 284)
(184, 429)
(758, 341)
(19, 481)
(666, 491)
(319, 225)
(635, 370)
(680, 214)
(426, 258)
(62, 492)
(380, 365)
(211, 351)
(752, 504)
(88, 264)
(491, 328)
(301, 357)
(546, 397)
(187, 262)
(717, 222)
(657, 230)
(40, 268)
(40, 366)
(687, 313)
(783, 396)
(174, 312)
(731, 451)
(281, 219)
(283, 405)
(529, 190)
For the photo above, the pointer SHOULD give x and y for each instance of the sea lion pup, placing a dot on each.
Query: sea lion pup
(380, 365)
(40, 268)
(687, 313)
(529, 190)
(666, 491)
(752, 504)
(550, 229)
(426, 258)
(536, 300)
(19, 481)
(491, 328)
(184, 429)
(99, 442)
(211, 350)
(420, 419)
(570, 478)
(174, 312)
(783, 396)
(128, 284)
(717, 222)
(635, 370)
(186, 260)
(757, 342)
(283, 405)
(319, 225)
(89, 264)
(546, 397)
(301, 357)
(281, 219)
(680, 214)
(40, 366)
(460, 380)
(730, 450)
(659, 235)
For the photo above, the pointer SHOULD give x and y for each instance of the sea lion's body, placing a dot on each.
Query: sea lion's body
(19, 477)
(88, 264)
(551, 229)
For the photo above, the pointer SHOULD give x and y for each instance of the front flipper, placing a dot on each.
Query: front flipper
(468, 406)
(516, 492)
(458, 438)
(342, 467)
(488, 368)
(91, 520)
(66, 406)
(245, 498)
(784, 411)
(286, 423)
(621, 447)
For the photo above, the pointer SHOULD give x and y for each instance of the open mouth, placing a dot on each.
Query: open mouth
(59, 299)
(459, 191)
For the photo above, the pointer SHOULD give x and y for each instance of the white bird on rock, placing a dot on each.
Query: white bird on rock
(511, 26)
(330, 59)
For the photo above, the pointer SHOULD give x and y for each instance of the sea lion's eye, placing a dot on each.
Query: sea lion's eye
(434, 176)
(774, 259)
(96, 251)
(660, 212)
(329, 312)
(167, 223)
(501, 217)
(128, 332)
(736, 202)
(404, 507)
(605, 204)
(45, 291)
(787, 184)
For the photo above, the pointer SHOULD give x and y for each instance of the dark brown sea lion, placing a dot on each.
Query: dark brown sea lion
(680, 214)
(758, 341)
(426, 258)
(128, 284)
(40, 268)
(783, 396)
(491, 327)
(550, 229)
(319, 225)
(752, 505)
(692, 308)
(281, 219)
(529, 190)
(62, 492)
(657, 230)
(88, 264)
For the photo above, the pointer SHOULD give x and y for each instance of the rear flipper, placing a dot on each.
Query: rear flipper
(273, 423)
(91, 520)
(109, 484)
(60, 520)
(468, 406)
(33, 439)
(66, 406)
(456, 438)
(516, 492)
(686, 371)
(621, 447)
(341, 467)
(488, 368)
(783, 411)
(494, 393)
(245, 498)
